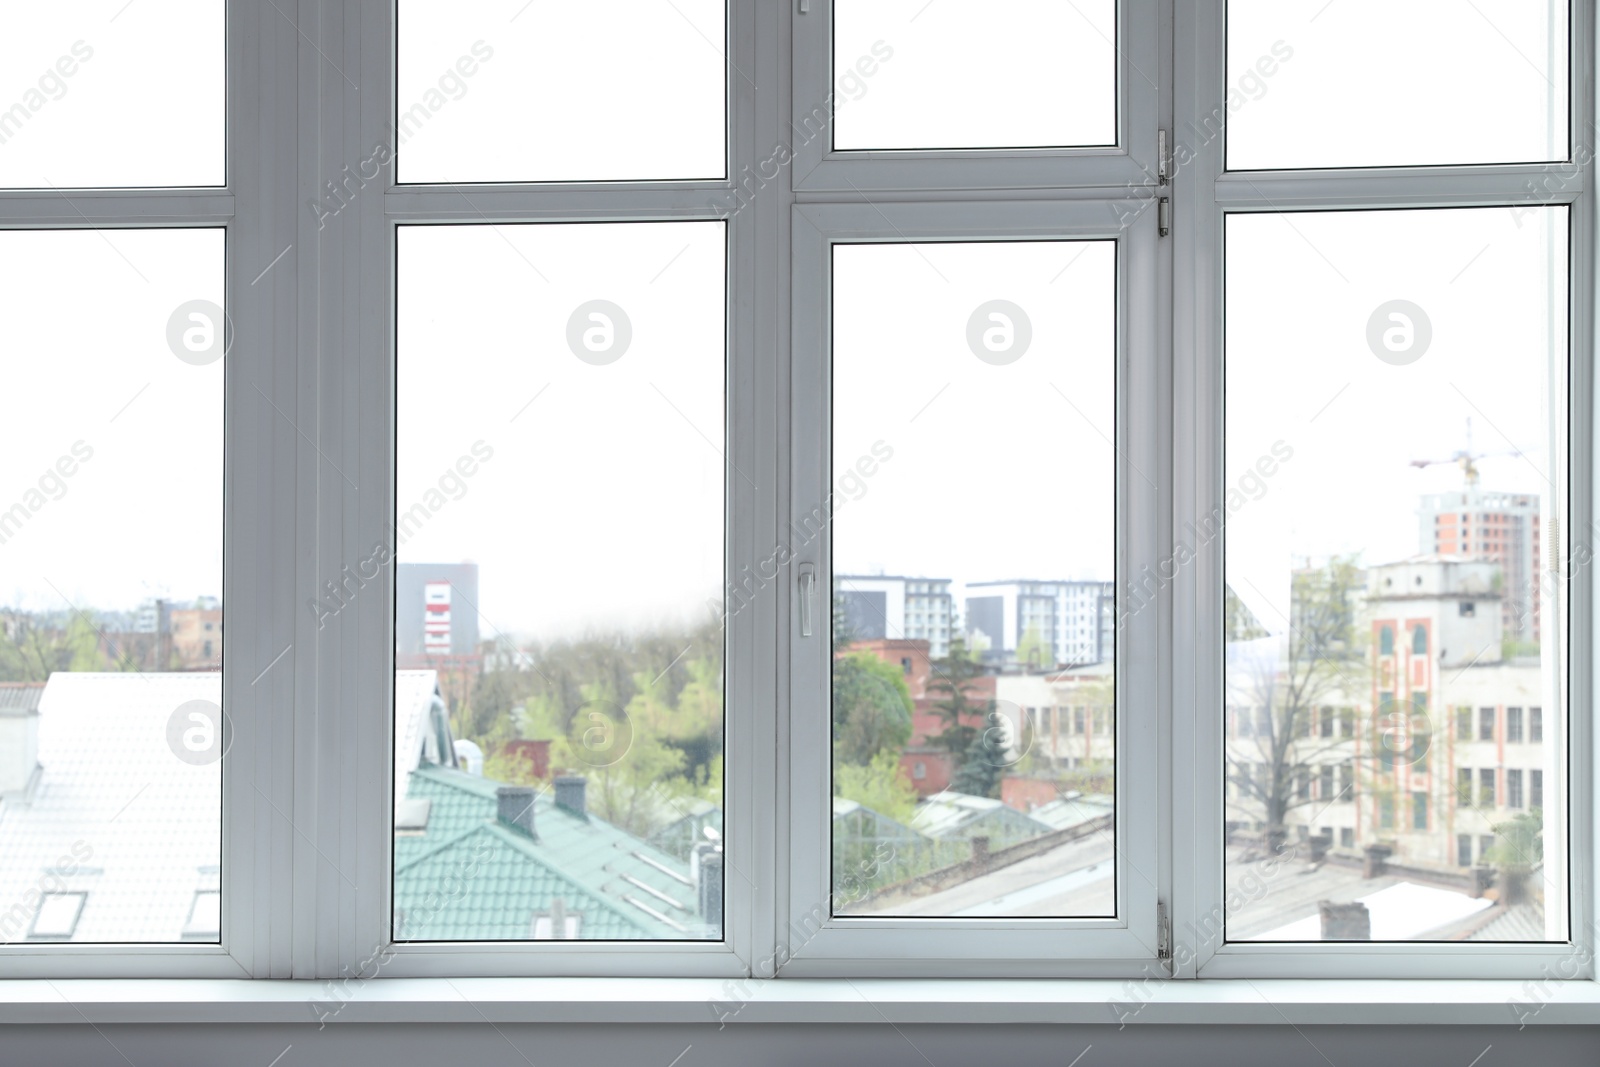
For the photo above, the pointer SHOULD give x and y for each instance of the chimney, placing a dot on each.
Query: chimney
(571, 791)
(1345, 922)
(516, 807)
(1373, 861)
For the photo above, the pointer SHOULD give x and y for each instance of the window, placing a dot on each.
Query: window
(147, 95)
(509, 61)
(727, 489)
(56, 916)
(1459, 90)
(1060, 53)
(205, 916)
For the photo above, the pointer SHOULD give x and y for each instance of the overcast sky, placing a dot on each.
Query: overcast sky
(1301, 290)
(997, 470)
(87, 360)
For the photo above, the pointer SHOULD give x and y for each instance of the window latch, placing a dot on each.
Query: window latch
(808, 589)
(1163, 932)
(1163, 167)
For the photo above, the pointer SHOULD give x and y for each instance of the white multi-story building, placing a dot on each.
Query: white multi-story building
(1076, 621)
(1428, 744)
(1069, 716)
(898, 608)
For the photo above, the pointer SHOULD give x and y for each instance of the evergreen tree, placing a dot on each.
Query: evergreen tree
(952, 680)
(984, 765)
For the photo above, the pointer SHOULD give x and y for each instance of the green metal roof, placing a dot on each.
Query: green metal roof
(469, 877)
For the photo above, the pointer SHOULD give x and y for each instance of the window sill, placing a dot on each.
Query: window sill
(828, 1001)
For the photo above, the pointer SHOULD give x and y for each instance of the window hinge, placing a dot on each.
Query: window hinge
(1164, 216)
(1163, 166)
(805, 7)
(1163, 932)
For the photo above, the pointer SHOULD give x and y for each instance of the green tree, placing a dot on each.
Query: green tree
(985, 764)
(1518, 843)
(954, 679)
(871, 708)
(1518, 848)
(33, 652)
(879, 784)
(632, 772)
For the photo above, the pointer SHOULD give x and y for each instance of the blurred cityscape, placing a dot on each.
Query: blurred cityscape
(1388, 744)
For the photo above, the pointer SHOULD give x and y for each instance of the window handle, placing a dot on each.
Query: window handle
(808, 590)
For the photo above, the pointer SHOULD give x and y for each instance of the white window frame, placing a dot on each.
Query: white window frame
(948, 947)
(1205, 194)
(264, 817)
(310, 464)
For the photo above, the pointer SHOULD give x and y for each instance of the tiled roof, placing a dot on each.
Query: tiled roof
(17, 698)
(1520, 922)
(469, 877)
(116, 815)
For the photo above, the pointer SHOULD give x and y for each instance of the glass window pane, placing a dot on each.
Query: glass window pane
(1371, 83)
(111, 93)
(974, 74)
(511, 91)
(111, 729)
(1396, 439)
(559, 586)
(974, 669)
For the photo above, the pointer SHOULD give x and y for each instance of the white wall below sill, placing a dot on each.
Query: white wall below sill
(612, 1001)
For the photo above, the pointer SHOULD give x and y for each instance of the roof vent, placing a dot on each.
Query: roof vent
(516, 807)
(571, 793)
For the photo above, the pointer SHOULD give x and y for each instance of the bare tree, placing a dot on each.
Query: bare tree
(1283, 687)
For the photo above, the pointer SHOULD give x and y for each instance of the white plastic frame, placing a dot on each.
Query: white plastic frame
(1204, 194)
(819, 168)
(265, 821)
(977, 947)
(309, 400)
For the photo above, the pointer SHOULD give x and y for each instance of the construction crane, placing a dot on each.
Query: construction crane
(1467, 459)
